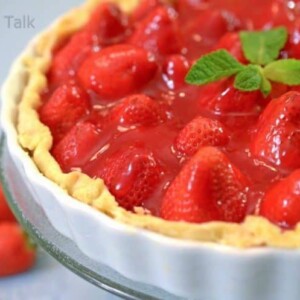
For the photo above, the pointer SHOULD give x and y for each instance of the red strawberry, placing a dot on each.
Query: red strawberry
(158, 32)
(222, 97)
(67, 105)
(208, 188)
(138, 109)
(175, 69)
(144, 8)
(131, 175)
(5, 212)
(108, 23)
(232, 43)
(117, 71)
(77, 146)
(16, 253)
(277, 139)
(281, 204)
(66, 60)
(198, 133)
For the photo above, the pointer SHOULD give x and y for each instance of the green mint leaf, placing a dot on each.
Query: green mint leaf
(249, 79)
(263, 47)
(212, 67)
(266, 86)
(285, 71)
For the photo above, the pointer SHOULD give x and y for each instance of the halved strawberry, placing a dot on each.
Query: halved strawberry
(158, 32)
(198, 133)
(67, 105)
(117, 71)
(277, 139)
(138, 109)
(208, 188)
(76, 148)
(131, 175)
(232, 43)
(281, 204)
(175, 69)
(222, 97)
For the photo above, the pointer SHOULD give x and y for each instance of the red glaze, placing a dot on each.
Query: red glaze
(142, 126)
(281, 204)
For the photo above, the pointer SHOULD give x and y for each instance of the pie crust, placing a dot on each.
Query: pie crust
(36, 139)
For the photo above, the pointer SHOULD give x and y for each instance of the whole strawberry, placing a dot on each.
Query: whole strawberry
(117, 71)
(107, 25)
(223, 97)
(158, 32)
(66, 106)
(277, 139)
(16, 253)
(281, 204)
(77, 146)
(200, 132)
(131, 175)
(208, 188)
(138, 109)
(232, 43)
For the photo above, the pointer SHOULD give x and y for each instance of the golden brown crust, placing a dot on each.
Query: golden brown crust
(37, 140)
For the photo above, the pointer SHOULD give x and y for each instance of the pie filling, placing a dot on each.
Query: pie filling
(119, 109)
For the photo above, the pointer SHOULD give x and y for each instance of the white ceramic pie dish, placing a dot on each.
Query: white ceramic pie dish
(192, 270)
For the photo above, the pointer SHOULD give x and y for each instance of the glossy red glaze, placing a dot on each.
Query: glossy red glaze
(158, 44)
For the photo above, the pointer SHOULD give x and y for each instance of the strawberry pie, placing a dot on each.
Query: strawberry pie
(181, 117)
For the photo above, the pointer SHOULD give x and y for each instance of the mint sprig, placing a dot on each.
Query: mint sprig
(262, 49)
(285, 71)
(249, 79)
(213, 67)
